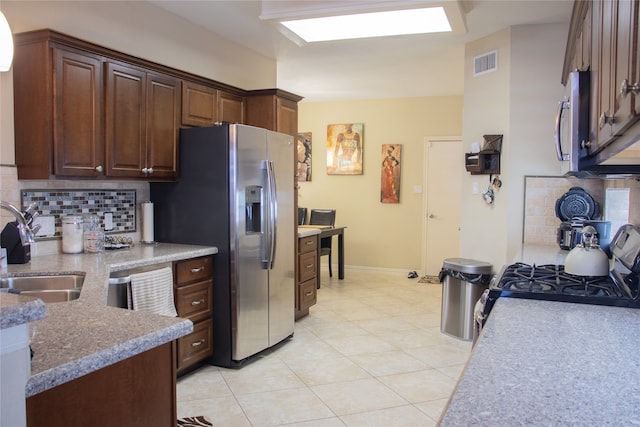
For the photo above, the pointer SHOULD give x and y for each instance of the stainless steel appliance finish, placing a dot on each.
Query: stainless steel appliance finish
(572, 122)
(464, 280)
(235, 192)
(579, 156)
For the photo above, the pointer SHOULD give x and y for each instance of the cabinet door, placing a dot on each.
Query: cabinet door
(230, 108)
(603, 72)
(162, 126)
(125, 120)
(198, 104)
(287, 116)
(626, 54)
(78, 140)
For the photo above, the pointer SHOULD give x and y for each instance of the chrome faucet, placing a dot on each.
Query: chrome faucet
(26, 232)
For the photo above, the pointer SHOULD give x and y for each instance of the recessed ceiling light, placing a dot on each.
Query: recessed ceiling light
(375, 24)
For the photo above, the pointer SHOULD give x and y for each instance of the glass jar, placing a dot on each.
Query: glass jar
(72, 230)
(93, 236)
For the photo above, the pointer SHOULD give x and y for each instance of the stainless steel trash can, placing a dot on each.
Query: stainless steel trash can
(463, 281)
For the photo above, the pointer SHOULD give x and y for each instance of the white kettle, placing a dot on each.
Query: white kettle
(587, 258)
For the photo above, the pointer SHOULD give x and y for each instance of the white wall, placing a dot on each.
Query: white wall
(379, 235)
(519, 101)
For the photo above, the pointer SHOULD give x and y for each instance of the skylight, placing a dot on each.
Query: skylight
(375, 24)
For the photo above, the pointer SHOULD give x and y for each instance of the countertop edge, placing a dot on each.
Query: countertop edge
(17, 310)
(78, 337)
(79, 367)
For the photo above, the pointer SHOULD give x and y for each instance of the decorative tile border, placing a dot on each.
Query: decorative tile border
(58, 203)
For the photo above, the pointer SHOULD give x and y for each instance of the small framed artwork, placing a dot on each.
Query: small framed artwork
(345, 147)
(390, 173)
(304, 156)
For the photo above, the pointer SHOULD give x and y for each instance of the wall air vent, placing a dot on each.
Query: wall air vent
(485, 63)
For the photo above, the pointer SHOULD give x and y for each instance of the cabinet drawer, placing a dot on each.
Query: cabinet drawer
(307, 266)
(307, 293)
(307, 244)
(196, 346)
(190, 270)
(195, 301)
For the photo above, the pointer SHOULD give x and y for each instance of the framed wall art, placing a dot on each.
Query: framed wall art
(304, 156)
(345, 147)
(390, 173)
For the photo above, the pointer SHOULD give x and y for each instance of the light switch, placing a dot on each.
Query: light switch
(476, 189)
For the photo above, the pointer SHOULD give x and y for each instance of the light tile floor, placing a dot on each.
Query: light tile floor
(370, 353)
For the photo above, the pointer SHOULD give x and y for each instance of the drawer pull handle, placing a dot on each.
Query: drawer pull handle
(197, 302)
(309, 243)
(197, 270)
(197, 343)
(309, 294)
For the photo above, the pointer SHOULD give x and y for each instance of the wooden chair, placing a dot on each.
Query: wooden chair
(324, 217)
(302, 216)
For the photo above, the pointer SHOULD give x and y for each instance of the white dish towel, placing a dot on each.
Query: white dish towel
(152, 291)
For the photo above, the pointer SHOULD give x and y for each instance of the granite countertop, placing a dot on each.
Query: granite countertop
(306, 231)
(17, 310)
(541, 254)
(543, 363)
(82, 336)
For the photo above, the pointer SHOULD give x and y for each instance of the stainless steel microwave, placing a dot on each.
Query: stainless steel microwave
(619, 158)
(572, 122)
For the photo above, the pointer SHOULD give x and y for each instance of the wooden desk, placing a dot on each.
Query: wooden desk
(328, 231)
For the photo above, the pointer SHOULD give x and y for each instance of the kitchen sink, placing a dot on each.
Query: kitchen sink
(48, 287)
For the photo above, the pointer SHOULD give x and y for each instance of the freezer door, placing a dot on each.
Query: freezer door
(281, 277)
(249, 280)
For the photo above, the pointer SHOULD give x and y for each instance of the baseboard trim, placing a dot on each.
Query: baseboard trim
(366, 268)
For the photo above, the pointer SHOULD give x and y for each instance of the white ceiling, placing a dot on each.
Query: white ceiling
(403, 66)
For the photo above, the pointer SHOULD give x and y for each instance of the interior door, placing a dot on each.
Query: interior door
(443, 164)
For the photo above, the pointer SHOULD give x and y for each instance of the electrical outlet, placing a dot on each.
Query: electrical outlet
(108, 221)
(476, 188)
(47, 225)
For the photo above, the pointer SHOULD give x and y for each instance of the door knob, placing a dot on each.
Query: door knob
(431, 216)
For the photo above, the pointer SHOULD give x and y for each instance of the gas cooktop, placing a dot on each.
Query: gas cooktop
(551, 282)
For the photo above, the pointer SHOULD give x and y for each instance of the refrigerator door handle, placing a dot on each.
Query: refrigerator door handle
(273, 213)
(265, 222)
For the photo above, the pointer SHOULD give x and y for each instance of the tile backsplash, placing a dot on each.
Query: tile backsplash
(12, 189)
(121, 203)
(541, 193)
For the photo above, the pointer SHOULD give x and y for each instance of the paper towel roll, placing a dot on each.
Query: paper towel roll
(147, 222)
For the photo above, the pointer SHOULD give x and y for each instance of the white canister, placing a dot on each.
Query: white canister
(72, 231)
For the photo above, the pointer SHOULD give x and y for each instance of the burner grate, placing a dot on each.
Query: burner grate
(553, 280)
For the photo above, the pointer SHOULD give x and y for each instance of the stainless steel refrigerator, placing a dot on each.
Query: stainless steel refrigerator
(235, 192)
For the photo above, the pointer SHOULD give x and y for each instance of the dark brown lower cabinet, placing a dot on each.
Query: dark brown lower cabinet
(138, 391)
